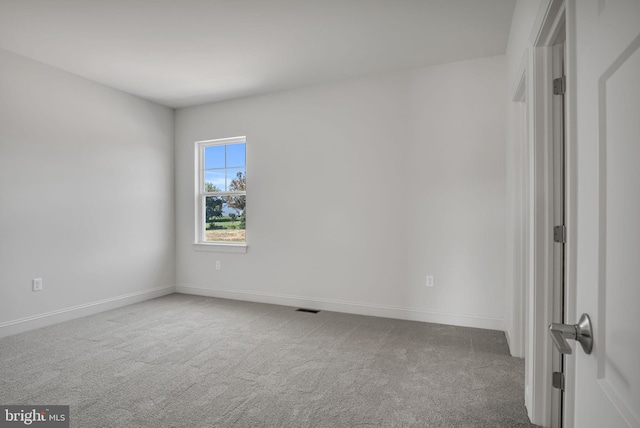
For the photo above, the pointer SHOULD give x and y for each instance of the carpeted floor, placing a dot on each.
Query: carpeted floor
(189, 361)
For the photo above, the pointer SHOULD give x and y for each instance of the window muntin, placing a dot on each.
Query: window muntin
(221, 191)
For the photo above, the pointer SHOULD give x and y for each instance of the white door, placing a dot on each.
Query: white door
(607, 148)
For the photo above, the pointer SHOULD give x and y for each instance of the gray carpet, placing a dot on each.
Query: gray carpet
(188, 361)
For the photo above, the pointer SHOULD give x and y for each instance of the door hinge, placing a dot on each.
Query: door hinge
(560, 234)
(559, 86)
(557, 380)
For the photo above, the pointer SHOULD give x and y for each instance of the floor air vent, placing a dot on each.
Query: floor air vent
(311, 311)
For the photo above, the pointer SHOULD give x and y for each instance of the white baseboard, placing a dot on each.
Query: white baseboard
(383, 311)
(515, 348)
(9, 328)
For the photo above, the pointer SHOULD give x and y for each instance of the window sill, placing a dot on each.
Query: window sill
(220, 248)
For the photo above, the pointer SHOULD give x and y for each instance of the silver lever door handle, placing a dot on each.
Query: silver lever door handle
(560, 333)
(581, 332)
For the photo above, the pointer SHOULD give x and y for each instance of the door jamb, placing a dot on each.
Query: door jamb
(552, 16)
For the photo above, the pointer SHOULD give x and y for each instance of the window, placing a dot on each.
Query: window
(221, 191)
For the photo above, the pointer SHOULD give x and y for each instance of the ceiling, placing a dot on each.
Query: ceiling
(186, 52)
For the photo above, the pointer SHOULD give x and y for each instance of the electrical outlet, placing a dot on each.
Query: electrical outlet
(218, 265)
(36, 283)
(430, 281)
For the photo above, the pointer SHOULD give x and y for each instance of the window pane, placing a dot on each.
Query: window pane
(214, 181)
(214, 157)
(236, 179)
(225, 219)
(236, 155)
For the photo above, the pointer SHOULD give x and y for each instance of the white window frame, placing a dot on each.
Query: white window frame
(200, 244)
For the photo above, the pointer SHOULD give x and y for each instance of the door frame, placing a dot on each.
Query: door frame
(553, 16)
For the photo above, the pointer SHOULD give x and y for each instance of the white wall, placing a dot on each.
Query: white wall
(357, 190)
(86, 195)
